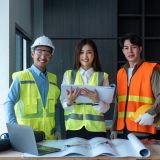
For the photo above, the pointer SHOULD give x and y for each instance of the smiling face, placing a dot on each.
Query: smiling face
(41, 57)
(132, 53)
(86, 57)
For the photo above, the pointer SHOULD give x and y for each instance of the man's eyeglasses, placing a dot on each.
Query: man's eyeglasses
(41, 52)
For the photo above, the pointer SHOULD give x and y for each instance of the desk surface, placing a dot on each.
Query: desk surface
(13, 155)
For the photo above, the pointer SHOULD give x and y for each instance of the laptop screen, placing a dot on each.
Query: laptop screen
(22, 139)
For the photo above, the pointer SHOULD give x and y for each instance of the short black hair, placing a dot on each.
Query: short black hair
(134, 39)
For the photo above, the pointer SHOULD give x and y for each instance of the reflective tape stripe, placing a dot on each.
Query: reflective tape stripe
(53, 83)
(25, 82)
(122, 98)
(74, 116)
(95, 104)
(136, 99)
(73, 76)
(128, 114)
(94, 117)
(120, 114)
(87, 117)
(100, 78)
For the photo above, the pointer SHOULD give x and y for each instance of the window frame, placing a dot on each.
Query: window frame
(23, 51)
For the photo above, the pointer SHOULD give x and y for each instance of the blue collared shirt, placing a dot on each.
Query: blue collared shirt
(14, 92)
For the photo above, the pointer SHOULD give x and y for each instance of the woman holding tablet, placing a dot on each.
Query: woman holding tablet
(85, 120)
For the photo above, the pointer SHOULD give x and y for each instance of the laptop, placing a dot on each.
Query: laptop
(22, 139)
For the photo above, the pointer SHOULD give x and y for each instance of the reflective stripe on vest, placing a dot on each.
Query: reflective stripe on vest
(25, 82)
(74, 116)
(136, 99)
(94, 117)
(128, 114)
(87, 117)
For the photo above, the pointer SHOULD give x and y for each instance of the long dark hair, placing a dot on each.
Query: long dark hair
(96, 63)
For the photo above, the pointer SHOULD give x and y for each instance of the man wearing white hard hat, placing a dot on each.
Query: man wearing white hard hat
(33, 94)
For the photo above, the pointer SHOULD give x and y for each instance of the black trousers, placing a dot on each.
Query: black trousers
(83, 133)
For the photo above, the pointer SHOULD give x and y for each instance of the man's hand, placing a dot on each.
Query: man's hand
(145, 119)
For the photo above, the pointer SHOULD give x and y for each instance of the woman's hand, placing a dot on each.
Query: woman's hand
(90, 94)
(72, 94)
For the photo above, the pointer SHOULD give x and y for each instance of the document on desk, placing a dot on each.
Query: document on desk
(105, 93)
(98, 146)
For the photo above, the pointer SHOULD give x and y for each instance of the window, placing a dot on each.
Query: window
(22, 50)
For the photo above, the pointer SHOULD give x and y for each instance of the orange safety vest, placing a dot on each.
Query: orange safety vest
(131, 97)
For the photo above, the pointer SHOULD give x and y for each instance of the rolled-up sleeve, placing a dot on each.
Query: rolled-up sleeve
(155, 82)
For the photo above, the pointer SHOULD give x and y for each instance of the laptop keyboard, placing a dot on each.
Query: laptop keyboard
(45, 149)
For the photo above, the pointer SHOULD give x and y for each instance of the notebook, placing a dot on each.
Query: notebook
(22, 139)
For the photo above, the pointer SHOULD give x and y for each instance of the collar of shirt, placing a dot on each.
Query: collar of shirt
(87, 73)
(37, 71)
(126, 66)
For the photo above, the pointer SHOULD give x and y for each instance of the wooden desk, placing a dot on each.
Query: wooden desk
(13, 155)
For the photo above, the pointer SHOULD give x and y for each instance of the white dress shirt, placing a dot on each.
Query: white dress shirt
(102, 106)
(130, 70)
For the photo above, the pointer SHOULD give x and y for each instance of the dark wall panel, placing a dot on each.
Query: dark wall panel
(98, 18)
(80, 18)
(61, 18)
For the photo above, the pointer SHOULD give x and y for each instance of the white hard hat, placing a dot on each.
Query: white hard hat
(43, 41)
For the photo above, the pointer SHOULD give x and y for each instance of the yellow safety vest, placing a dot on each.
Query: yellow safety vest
(30, 110)
(85, 114)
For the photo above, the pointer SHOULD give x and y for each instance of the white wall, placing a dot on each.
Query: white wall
(12, 12)
(4, 54)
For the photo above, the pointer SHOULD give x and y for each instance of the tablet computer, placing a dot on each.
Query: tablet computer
(106, 94)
